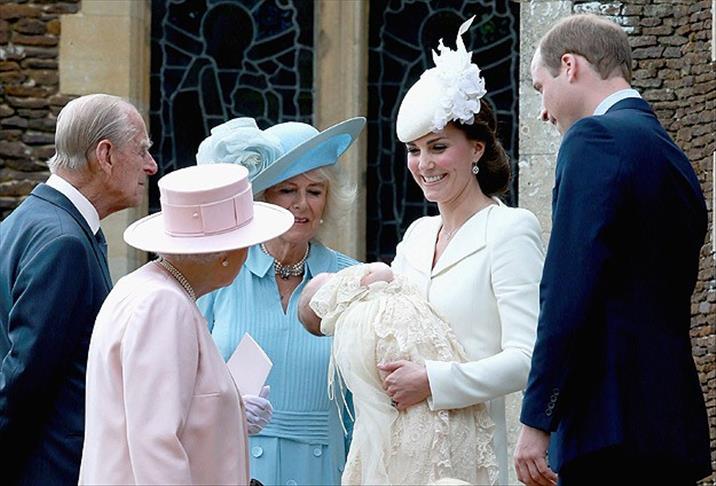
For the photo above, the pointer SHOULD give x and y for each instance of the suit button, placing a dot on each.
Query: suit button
(317, 452)
(257, 451)
(340, 467)
(291, 482)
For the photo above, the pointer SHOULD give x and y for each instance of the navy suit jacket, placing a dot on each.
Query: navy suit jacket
(612, 365)
(53, 280)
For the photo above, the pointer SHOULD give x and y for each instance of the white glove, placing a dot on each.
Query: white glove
(258, 410)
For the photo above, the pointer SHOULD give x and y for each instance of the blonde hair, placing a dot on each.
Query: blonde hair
(599, 40)
(339, 198)
(86, 121)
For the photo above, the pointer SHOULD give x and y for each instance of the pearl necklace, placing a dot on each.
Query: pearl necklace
(285, 271)
(178, 277)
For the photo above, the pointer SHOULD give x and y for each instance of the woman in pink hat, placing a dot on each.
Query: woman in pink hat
(162, 407)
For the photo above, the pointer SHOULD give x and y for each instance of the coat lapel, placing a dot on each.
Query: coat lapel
(420, 253)
(56, 198)
(469, 239)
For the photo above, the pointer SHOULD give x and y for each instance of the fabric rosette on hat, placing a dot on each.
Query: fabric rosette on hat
(279, 152)
(240, 141)
(450, 91)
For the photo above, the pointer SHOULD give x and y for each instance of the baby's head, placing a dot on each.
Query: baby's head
(376, 272)
(306, 315)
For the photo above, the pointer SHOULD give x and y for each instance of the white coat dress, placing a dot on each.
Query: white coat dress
(486, 286)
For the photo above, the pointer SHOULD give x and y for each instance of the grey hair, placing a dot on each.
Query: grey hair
(197, 258)
(340, 197)
(86, 121)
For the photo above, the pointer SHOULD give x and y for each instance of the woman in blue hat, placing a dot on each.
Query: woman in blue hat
(292, 165)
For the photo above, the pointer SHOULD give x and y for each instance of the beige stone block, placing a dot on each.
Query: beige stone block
(122, 257)
(113, 8)
(95, 55)
(105, 49)
(536, 137)
(536, 18)
(341, 92)
(536, 184)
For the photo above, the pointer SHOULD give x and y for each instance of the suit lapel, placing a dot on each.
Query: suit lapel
(58, 199)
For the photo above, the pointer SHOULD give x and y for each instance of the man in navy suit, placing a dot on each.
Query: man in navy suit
(53, 280)
(613, 392)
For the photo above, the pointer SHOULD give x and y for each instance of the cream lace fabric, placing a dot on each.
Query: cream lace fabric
(386, 322)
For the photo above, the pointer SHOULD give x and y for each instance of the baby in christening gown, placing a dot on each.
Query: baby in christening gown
(375, 318)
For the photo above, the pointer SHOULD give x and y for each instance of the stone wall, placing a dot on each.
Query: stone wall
(672, 51)
(29, 98)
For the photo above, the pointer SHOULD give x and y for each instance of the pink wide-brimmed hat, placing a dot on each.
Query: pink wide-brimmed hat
(206, 209)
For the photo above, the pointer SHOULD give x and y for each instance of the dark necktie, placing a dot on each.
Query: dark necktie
(102, 242)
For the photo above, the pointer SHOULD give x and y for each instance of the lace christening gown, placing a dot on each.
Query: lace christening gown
(386, 322)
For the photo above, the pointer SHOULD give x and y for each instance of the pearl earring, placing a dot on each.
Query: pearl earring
(475, 168)
(225, 263)
(320, 221)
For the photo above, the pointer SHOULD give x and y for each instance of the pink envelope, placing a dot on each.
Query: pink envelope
(249, 366)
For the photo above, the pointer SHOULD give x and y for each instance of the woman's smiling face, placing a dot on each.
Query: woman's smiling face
(441, 163)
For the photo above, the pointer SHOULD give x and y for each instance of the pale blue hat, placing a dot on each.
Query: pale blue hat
(279, 152)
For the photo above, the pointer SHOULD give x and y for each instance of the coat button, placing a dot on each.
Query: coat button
(291, 482)
(257, 451)
(317, 452)
(340, 467)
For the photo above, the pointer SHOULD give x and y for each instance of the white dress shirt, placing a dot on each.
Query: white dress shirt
(615, 98)
(78, 200)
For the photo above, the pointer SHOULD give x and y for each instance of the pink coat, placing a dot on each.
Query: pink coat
(162, 407)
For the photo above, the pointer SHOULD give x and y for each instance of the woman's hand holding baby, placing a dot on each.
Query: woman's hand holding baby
(406, 384)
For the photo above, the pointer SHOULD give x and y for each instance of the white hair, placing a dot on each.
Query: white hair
(197, 258)
(86, 121)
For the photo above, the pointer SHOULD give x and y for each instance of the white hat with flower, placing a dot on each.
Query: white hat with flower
(451, 91)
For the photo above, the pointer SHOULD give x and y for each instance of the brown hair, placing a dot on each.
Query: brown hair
(601, 42)
(494, 164)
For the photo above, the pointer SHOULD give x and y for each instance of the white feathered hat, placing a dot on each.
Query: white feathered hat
(449, 91)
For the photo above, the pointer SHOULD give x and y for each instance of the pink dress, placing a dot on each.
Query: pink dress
(162, 407)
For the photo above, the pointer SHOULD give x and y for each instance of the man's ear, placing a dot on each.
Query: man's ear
(570, 66)
(103, 156)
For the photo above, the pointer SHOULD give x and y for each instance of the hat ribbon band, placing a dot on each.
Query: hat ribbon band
(209, 219)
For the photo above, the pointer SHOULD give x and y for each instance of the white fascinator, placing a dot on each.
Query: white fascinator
(450, 91)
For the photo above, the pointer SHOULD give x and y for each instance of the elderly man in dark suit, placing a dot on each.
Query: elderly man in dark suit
(613, 385)
(53, 280)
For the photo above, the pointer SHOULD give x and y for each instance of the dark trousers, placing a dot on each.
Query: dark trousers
(613, 466)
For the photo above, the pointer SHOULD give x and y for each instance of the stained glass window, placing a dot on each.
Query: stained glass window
(402, 34)
(213, 60)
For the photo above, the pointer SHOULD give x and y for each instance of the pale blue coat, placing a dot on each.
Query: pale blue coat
(304, 443)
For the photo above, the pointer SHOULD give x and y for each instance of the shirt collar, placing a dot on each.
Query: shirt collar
(78, 200)
(320, 259)
(615, 98)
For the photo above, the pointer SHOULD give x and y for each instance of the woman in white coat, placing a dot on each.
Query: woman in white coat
(478, 262)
